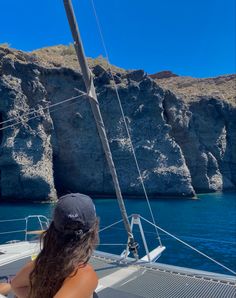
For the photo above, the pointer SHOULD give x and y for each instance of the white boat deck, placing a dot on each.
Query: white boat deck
(17, 250)
(129, 279)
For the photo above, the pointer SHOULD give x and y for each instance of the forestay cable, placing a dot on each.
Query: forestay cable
(125, 122)
(88, 80)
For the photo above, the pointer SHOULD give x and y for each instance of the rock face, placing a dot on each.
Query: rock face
(202, 116)
(79, 162)
(180, 147)
(205, 131)
(26, 152)
(165, 74)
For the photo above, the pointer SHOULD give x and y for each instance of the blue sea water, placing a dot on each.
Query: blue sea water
(208, 224)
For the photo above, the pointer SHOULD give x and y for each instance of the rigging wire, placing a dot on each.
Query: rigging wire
(41, 109)
(112, 244)
(37, 116)
(193, 238)
(111, 225)
(190, 246)
(124, 119)
(135, 158)
(11, 232)
(178, 239)
(37, 111)
(14, 219)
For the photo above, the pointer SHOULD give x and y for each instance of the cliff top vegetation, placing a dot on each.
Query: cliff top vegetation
(188, 88)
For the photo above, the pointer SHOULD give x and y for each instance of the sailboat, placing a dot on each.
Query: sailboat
(127, 275)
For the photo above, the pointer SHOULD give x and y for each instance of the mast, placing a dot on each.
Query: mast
(88, 80)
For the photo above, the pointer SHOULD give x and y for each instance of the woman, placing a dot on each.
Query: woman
(61, 269)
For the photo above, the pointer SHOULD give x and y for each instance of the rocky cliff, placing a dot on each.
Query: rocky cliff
(182, 145)
(202, 116)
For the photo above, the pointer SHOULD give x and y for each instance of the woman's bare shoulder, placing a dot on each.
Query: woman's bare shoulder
(85, 273)
(22, 277)
(79, 285)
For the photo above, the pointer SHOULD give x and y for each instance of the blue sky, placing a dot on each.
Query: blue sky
(194, 37)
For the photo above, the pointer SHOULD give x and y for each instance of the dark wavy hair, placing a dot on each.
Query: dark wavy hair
(61, 256)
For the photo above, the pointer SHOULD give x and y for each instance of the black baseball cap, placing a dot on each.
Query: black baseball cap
(74, 207)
